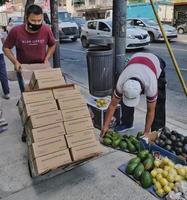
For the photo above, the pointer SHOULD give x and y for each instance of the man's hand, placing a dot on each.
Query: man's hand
(17, 67)
(103, 131)
(46, 61)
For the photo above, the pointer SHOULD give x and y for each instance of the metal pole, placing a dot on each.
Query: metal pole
(170, 51)
(54, 27)
(119, 35)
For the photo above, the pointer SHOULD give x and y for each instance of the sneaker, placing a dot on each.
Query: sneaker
(122, 128)
(2, 129)
(6, 96)
(3, 123)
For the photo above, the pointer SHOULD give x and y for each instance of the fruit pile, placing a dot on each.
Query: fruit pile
(166, 175)
(140, 166)
(125, 143)
(101, 103)
(173, 142)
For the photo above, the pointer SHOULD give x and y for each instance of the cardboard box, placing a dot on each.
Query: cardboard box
(37, 96)
(69, 92)
(85, 151)
(48, 83)
(65, 104)
(44, 119)
(38, 108)
(75, 113)
(78, 125)
(80, 138)
(27, 70)
(45, 74)
(48, 146)
(98, 114)
(52, 161)
(45, 132)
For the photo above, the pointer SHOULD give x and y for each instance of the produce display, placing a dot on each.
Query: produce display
(167, 175)
(173, 142)
(126, 143)
(101, 103)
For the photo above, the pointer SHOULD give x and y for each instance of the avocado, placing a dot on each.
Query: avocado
(161, 143)
(169, 142)
(179, 144)
(168, 147)
(173, 138)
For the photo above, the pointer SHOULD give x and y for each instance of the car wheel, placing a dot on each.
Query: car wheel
(84, 42)
(180, 30)
(74, 39)
(152, 37)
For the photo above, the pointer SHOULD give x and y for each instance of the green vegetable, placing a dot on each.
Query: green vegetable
(146, 179)
(134, 160)
(138, 171)
(107, 141)
(148, 164)
(139, 134)
(123, 145)
(143, 154)
(115, 143)
(130, 168)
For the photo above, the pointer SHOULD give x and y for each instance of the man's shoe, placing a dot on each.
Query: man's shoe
(6, 96)
(123, 127)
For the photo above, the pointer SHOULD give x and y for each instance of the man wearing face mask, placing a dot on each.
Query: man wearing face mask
(31, 40)
(34, 43)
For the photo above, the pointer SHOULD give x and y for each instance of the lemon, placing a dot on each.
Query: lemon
(158, 177)
(181, 171)
(158, 185)
(170, 178)
(167, 189)
(159, 170)
(165, 173)
(154, 180)
(171, 164)
(171, 185)
(163, 181)
(178, 178)
(172, 171)
(165, 160)
(157, 163)
(160, 192)
(153, 173)
(166, 168)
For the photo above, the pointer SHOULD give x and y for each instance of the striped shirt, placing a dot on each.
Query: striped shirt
(144, 67)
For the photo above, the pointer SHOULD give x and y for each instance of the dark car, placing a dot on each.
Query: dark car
(80, 21)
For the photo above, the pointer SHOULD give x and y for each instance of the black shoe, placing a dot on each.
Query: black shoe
(23, 137)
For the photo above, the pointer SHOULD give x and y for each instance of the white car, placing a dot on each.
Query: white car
(135, 37)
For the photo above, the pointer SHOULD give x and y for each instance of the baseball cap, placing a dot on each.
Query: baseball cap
(131, 93)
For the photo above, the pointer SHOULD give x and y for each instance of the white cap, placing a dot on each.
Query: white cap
(131, 93)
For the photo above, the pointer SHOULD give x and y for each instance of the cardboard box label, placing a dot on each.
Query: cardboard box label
(86, 150)
(80, 138)
(48, 146)
(45, 132)
(52, 161)
(39, 120)
(75, 113)
(48, 83)
(37, 96)
(78, 125)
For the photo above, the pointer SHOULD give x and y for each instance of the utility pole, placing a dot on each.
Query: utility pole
(54, 27)
(119, 35)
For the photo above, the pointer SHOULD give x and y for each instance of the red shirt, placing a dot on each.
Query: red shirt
(30, 47)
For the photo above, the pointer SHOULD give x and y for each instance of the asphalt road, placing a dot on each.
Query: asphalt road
(73, 62)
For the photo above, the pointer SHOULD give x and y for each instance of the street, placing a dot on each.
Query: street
(73, 62)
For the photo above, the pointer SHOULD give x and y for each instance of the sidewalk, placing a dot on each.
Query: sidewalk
(98, 179)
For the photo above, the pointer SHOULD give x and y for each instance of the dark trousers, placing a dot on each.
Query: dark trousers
(160, 113)
(3, 75)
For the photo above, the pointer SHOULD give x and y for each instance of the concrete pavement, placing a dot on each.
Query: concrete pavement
(97, 179)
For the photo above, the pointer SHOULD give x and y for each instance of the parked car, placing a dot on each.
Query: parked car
(68, 29)
(80, 21)
(153, 28)
(182, 28)
(136, 38)
(14, 21)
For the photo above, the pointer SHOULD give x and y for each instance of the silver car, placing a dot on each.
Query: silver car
(182, 28)
(153, 28)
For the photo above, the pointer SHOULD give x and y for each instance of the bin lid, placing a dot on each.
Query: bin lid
(101, 41)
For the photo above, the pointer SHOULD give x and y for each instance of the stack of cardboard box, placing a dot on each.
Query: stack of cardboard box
(57, 123)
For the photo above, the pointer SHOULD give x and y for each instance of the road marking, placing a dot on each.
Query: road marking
(181, 69)
(156, 47)
(79, 51)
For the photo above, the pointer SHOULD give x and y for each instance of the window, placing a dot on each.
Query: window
(92, 25)
(103, 27)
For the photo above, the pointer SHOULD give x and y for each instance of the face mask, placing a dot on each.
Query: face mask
(34, 27)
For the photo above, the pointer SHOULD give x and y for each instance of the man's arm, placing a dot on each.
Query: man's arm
(50, 52)
(12, 58)
(149, 117)
(110, 112)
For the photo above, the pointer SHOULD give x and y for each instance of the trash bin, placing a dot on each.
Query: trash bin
(100, 70)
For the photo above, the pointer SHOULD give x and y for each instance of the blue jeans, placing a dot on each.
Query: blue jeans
(3, 75)
(20, 81)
